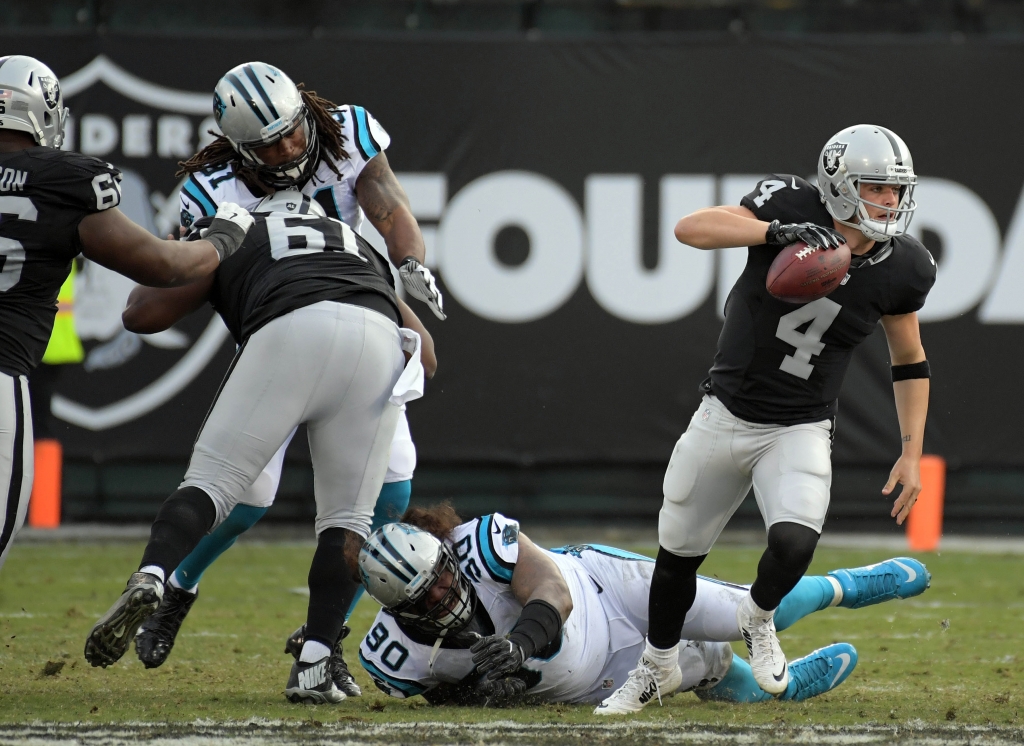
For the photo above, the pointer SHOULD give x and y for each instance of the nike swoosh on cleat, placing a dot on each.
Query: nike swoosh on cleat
(794, 183)
(779, 677)
(911, 572)
(845, 657)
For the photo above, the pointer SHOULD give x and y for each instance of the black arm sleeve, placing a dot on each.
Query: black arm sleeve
(538, 626)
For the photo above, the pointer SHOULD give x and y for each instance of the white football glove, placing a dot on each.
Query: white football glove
(420, 284)
(228, 229)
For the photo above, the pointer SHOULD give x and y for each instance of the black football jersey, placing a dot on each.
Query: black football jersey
(291, 261)
(44, 194)
(783, 363)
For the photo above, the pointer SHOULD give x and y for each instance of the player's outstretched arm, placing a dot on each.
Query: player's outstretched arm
(722, 227)
(111, 239)
(387, 207)
(411, 321)
(903, 333)
(151, 310)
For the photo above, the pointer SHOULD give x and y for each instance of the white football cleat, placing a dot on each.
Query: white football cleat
(647, 681)
(767, 661)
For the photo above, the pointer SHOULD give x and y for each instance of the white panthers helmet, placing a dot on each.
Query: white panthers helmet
(867, 153)
(400, 563)
(255, 105)
(31, 101)
(290, 201)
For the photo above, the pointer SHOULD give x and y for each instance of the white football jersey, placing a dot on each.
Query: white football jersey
(203, 191)
(487, 549)
(601, 641)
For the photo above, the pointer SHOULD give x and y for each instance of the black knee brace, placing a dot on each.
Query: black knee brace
(181, 523)
(789, 554)
(332, 584)
(673, 589)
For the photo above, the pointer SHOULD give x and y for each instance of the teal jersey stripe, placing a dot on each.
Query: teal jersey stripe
(498, 568)
(410, 688)
(195, 193)
(366, 143)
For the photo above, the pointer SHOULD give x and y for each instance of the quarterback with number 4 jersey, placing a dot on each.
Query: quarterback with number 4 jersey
(55, 205)
(476, 614)
(768, 414)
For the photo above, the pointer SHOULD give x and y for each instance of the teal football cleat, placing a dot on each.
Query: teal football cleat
(820, 672)
(901, 577)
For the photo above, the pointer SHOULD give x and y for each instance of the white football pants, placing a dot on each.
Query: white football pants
(718, 458)
(330, 365)
(17, 458)
(704, 651)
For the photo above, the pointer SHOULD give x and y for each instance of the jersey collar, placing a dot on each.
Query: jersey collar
(878, 253)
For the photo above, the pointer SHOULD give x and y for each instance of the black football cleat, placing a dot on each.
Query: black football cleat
(342, 677)
(157, 634)
(111, 635)
(311, 683)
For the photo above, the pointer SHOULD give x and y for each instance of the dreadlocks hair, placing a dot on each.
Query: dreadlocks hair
(219, 152)
(437, 520)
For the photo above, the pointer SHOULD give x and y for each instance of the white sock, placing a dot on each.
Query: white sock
(173, 582)
(154, 570)
(754, 610)
(663, 658)
(837, 598)
(312, 651)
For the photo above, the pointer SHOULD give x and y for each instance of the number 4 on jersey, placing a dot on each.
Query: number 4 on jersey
(768, 188)
(821, 313)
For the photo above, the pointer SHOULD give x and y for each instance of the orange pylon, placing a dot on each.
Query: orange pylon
(924, 524)
(44, 507)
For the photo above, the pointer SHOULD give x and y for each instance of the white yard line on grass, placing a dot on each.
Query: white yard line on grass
(272, 733)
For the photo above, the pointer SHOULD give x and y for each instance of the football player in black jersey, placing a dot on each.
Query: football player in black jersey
(314, 311)
(55, 205)
(769, 404)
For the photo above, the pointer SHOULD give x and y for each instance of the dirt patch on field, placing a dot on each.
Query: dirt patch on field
(269, 733)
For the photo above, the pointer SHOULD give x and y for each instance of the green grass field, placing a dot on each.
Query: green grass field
(951, 656)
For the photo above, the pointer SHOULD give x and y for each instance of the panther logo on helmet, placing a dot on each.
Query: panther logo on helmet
(830, 157)
(218, 106)
(51, 91)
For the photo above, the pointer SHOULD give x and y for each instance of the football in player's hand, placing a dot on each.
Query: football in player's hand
(801, 274)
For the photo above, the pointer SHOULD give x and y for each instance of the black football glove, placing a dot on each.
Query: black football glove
(503, 692)
(815, 236)
(496, 656)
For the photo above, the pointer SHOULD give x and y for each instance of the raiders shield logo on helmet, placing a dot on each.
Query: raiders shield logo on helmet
(830, 157)
(51, 91)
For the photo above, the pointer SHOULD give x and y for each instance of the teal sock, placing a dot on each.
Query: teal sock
(813, 593)
(392, 502)
(214, 544)
(737, 686)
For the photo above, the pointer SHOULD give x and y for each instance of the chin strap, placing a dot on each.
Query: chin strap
(434, 651)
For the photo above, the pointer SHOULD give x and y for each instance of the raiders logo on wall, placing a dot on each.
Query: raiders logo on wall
(144, 129)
